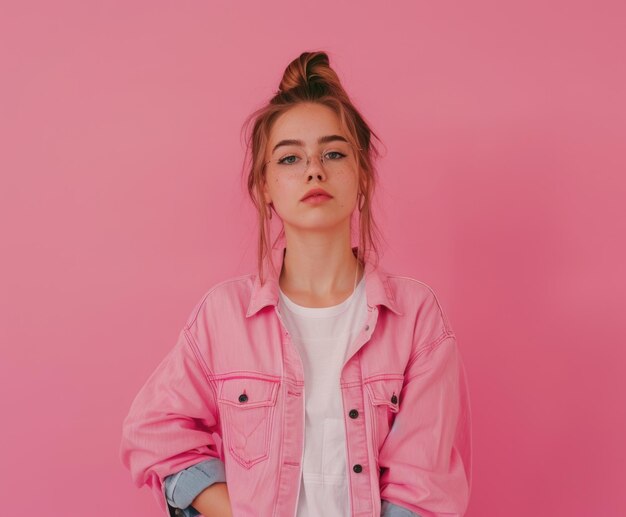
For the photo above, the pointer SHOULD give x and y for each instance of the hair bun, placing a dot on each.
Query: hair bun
(310, 70)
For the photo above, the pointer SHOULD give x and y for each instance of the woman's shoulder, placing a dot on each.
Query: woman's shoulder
(419, 300)
(409, 283)
(409, 287)
(229, 294)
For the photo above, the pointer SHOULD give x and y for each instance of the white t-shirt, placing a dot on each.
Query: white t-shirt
(321, 336)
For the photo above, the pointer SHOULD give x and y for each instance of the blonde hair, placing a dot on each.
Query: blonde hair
(309, 78)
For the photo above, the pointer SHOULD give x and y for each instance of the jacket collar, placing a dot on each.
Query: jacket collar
(377, 288)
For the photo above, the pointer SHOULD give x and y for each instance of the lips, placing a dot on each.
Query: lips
(316, 192)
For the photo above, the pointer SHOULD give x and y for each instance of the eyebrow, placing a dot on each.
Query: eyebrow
(320, 140)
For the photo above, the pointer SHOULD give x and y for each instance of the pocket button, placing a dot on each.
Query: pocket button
(247, 407)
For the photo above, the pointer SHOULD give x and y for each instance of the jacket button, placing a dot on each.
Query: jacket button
(178, 512)
(243, 397)
(357, 468)
(394, 399)
(353, 413)
(367, 327)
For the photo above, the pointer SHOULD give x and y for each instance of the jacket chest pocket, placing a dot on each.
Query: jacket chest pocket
(247, 406)
(384, 397)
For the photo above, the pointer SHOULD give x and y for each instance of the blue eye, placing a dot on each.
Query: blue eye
(284, 160)
(292, 159)
(341, 155)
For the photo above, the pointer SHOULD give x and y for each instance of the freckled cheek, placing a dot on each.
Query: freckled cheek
(347, 183)
(286, 190)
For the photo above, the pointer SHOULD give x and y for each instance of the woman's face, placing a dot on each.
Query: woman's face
(285, 188)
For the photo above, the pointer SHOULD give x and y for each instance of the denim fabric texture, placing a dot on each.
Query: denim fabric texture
(388, 509)
(234, 369)
(184, 486)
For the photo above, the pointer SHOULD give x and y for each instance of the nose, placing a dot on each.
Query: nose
(315, 167)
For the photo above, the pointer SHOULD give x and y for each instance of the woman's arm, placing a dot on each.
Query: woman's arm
(172, 420)
(426, 457)
(213, 501)
(182, 488)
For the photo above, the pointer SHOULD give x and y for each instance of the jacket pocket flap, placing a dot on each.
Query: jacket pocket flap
(385, 390)
(248, 391)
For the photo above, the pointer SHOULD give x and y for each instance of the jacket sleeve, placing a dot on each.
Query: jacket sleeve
(388, 509)
(173, 420)
(426, 457)
(184, 486)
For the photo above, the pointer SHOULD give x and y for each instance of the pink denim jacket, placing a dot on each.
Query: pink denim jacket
(232, 388)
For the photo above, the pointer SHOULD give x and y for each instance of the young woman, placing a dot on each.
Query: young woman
(319, 385)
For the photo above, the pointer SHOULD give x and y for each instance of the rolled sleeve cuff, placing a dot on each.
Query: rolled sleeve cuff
(184, 486)
(389, 509)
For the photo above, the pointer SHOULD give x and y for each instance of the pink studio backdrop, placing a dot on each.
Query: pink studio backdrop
(502, 187)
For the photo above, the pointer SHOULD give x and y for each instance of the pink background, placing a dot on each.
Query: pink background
(502, 188)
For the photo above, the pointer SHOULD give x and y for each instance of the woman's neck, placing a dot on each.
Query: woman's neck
(319, 277)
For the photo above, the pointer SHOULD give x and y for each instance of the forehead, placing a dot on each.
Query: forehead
(307, 122)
